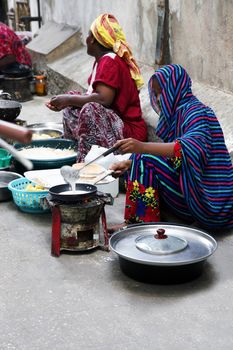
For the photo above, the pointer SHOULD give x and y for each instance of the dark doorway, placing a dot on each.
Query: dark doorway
(3, 11)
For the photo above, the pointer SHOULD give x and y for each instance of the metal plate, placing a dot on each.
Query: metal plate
(200, 244)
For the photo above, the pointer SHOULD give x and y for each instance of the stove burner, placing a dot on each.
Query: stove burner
(76, 226)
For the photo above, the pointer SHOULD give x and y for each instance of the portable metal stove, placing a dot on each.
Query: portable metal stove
(77, 226)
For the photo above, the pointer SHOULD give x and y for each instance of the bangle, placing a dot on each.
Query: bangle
(177, 149)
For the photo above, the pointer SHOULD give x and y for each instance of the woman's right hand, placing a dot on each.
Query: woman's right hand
(59, 102)
(130, 145)
(121, 167)
(55, 109)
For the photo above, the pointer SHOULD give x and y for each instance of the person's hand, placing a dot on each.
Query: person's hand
(57, 103)
(48, 104)
(129, 145)
(120, 167)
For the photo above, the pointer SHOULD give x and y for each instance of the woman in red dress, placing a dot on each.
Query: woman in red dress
(13, 53)
(110, 109)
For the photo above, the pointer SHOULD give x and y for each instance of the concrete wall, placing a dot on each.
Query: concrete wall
(201, 31)
(137, 17)
(201, 40)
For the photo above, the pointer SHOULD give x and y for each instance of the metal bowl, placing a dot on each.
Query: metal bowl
(5, 178)
(45, 133)
(48, 125)
(9, 110)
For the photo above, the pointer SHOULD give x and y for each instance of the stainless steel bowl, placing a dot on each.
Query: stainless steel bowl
(45, 133)
(48, 125)
(5, 178)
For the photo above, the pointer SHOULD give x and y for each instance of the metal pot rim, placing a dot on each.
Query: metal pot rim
(9, 104)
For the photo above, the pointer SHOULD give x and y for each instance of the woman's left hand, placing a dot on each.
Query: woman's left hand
(121, 167)
(130, 145)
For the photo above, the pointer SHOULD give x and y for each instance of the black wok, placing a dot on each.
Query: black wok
(9, 110)
(161, 266)
(84, 191)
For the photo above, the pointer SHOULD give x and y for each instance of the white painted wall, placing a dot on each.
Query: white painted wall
(201, 31)
(10, 4)
(34, 13)
(137, 17)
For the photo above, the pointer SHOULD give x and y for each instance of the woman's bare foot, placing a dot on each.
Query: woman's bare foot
(114, 228)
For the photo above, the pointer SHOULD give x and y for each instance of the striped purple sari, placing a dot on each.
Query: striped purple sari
(202, 188)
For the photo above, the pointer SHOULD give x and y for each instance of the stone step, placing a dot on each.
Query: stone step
(52, 41)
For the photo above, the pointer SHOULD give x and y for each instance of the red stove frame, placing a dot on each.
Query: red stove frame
(57, 227)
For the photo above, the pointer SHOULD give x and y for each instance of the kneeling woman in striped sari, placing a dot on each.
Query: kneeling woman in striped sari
(190, 170)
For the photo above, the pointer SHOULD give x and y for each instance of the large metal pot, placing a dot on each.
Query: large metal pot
(9, 110)
(162, 253)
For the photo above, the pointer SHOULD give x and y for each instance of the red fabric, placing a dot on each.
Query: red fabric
(10, 44)
(114, 72)
(93, 124)
(177, 149)
(141, 204)
(56, 231)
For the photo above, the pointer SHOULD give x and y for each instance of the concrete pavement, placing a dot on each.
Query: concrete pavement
(85, 302)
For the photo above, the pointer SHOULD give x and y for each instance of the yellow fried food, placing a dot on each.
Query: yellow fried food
(33, 188)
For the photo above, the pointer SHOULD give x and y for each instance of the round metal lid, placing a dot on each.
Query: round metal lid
(199, 246)
(160, 243)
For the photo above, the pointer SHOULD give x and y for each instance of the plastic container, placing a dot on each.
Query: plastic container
(40, 85)
(28, 201)
(111, 188)
(5, 159)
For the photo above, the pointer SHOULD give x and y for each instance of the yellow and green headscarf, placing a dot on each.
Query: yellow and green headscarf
(109, 33)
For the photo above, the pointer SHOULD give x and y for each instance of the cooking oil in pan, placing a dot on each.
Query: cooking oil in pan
(73, 192)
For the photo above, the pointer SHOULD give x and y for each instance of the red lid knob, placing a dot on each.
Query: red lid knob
(160, 234)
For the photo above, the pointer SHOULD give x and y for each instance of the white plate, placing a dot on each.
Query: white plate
(52, 177)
